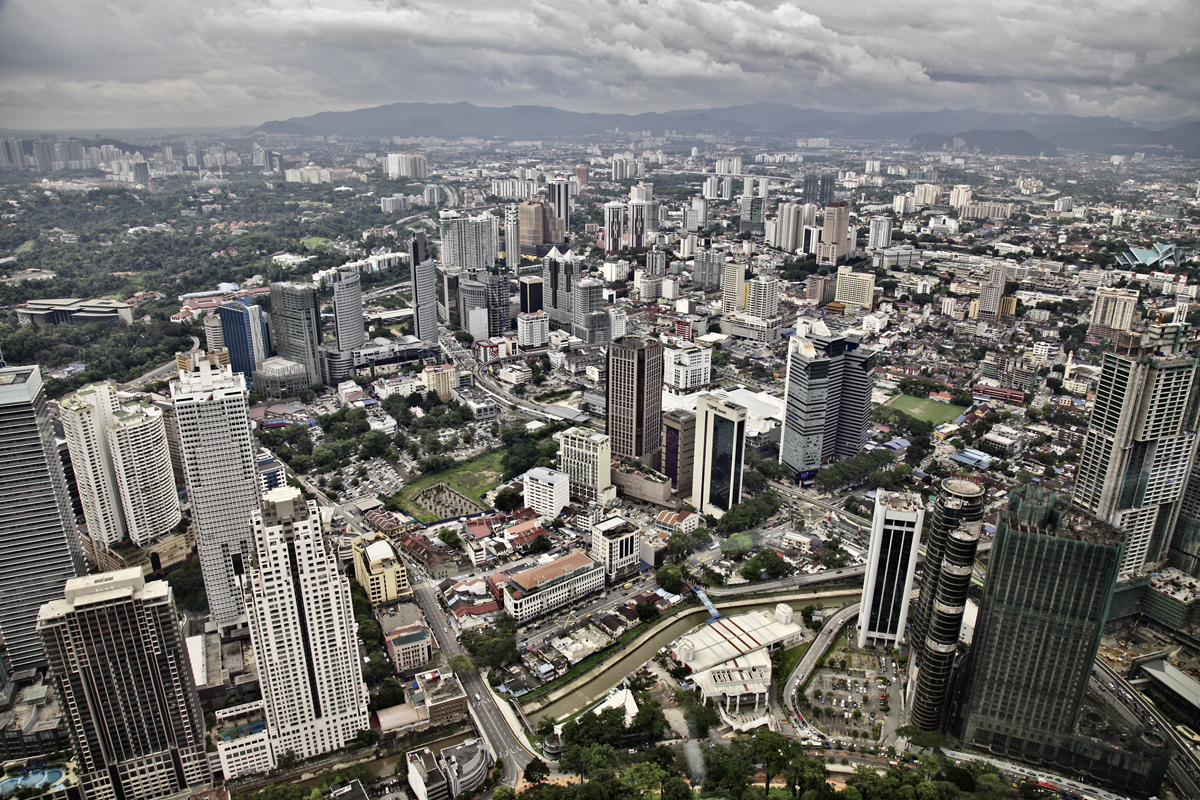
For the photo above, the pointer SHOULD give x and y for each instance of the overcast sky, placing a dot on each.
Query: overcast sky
(91, 65)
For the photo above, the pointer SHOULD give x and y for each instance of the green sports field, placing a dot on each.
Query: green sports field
(931, 410)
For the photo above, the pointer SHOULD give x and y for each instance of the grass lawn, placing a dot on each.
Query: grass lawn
(930, 410)
(313, 242)
(790, 659)
(473, 478)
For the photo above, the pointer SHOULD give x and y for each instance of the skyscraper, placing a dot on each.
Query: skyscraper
(835, 243)
(829, 384)
(296, 325)
(992, 291)
(589, 320)
(39, 544)
(733, 286)
(937, 624)
(303, 629)
(854, 289)
(891, 565)
(762, 297)
(719, 454)
(348, 322)
(634, 398)
(818, 188)
(710, 267)
(538, 227)
(879, 236)
(558, 191)
(790, 223)
(1045, 602)
(750, 212)
(614, 226)
(425, 292)
(495, 289)
(117, 653)
(679, 449)
(472, 243)
(243, 334)
(586, 457)
(122, 466)
(530, 288)
(512, 237)
(222, 477)
(560, 273)
(1141, 439)
(1113, 310)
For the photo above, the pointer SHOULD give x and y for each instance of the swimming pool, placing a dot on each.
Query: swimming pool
(40, 777)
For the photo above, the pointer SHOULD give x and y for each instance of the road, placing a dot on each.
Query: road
(506, 745)
(1185, 766)
(158, 373)
(792, 492)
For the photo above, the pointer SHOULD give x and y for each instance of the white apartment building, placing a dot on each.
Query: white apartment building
(904, 204)
(879, 236)
(1113, 310)
(86, 415)
(733, 286)
(687, 368)
(533, 329)
(222, 474)
(762, 297)
(891, 564)
(561, 582)
(855, 289)
(586, 457)
(303, 630)
(141, 457)
(927, 194)
(547, 491)
(618, 320)
(960, 195)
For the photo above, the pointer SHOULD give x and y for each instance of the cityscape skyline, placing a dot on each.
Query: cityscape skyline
(178, 64)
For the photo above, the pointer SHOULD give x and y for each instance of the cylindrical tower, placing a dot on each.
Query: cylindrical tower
(949, 559)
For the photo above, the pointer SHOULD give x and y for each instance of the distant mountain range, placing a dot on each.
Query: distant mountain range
(1003, 134)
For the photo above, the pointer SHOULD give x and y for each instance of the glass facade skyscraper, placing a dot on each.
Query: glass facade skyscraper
(244, 335)
(719, 453)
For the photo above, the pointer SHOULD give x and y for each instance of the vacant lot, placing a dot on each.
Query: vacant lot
(473, 478)
(935, 412)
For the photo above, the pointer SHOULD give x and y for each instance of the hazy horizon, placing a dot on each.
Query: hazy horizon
(236, 64)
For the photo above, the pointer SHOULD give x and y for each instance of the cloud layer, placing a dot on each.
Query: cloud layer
(153, 63)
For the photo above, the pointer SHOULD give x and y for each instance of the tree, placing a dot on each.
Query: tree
(537, 771)
(676, 789)
(670, 577)
(504, 792)
(461, 664)
(647, 612)
(545, 726)
(509, 500)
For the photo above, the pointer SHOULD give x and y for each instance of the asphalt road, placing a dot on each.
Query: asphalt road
(821, 644)
(483, 703)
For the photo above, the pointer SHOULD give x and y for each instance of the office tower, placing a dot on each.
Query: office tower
(214, 338)
(533, 329)
(586, 457)
(679, 449)
(822, 288)
(581, 174)
(222, 478)
(39, 543)
(617, 322)
(302, 626)
(811, 239)
(558, 191)
(547, 491)
(560, 273)
(829, 384)
(640, 222)
(348, 322)
(891, 565)
(751, 218)
(447, 280)
(733, 286)
(86, 415)
(589, 320)
(991, 292)
(648, 287)
(512, 237)
(835, 243)
(790, 223)
(614, 226)
(472, 243)
(1113, 310)
(634, 398)
(762, 297)
(854, 289)
(656, 262)
(539, 228)
(712, 188)
(699, 216)
(296, 325)
(118, 656)
(244, 335)
(718, 455)
(495, 289)
(710, 267)
(530, 288)
(937, 623)
(960, 195)
(425, 292)
(818, 189)
(1141, 439)
(473, 309)
(1049, 584)
(879, 236)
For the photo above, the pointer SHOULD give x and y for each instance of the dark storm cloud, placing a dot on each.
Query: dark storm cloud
(218, 62)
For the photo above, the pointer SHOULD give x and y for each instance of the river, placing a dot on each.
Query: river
(611, 673)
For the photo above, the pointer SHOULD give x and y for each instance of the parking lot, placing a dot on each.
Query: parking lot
(850, 692)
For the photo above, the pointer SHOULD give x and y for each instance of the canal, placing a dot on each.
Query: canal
(611, 673)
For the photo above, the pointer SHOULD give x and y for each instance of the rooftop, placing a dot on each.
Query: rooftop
(531, 579)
